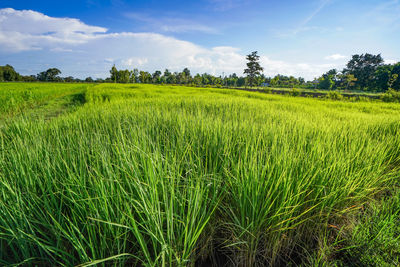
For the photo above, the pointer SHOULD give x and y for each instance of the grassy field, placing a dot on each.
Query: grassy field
(148, 175)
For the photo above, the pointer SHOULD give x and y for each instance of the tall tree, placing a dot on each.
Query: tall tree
(253, 68)
(114, 73)
(135, 75)
(156, 77)
(363, 68)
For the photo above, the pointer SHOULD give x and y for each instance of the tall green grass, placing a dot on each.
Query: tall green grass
(174, 176)
(17, 97)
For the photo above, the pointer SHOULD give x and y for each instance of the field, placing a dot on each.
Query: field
(148, 175)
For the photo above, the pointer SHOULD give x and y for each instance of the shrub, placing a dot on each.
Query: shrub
(334, 95)
(267, 90)
(295, 92)
(391, 96)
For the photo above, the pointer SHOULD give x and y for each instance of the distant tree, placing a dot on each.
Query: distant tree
(123, 76)
(349, 80)
(241, 81)
(392, 80)
(8, 74)
(233, 80)
(144, 77)
(363, 68)
(89, 80)
(217, 81)
(184, 77)
(165, 76)
(135, 75)
(156, 77)
(188, 76)
(170, 78)
(253, 68)
(69, 79)
(197, 80)
(293, 81)
(132, 77)
(50, 75)
(29, 78)
(328, 80)
(114, 74)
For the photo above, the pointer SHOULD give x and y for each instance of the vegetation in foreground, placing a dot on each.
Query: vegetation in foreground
(176, 176)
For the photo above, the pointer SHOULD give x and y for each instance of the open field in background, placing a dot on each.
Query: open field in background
(151, 175)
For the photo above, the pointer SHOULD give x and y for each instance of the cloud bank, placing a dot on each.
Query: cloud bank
(83, 50)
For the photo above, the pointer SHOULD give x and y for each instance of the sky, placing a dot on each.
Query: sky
(301, 38)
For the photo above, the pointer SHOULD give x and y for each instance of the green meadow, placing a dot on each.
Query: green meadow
(147, 175)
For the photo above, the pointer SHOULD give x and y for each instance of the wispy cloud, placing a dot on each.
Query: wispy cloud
(335, 57)
(168, 24)
(59, 49)
(293, 32)
(321, 5)
(391, 61)
(303, 26)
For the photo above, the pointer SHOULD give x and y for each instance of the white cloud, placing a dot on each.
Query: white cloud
(306, 70)
(335, 57)
(82, 50)
(59, 49)
(391, 61)
(134, 61)
(30, 30)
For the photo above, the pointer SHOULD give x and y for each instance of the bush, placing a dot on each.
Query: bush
(294, 92)
(267, 90)
(334, 95)
(391, 96)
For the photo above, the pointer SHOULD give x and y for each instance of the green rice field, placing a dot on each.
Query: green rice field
(147, 175)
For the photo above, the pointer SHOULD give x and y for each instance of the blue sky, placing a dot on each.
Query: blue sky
(300, 38)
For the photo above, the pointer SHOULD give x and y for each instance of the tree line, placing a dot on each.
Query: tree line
(365, 72)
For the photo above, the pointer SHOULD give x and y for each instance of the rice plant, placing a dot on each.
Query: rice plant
(150, 175)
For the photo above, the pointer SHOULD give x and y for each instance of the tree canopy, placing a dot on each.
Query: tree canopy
(253, 68)
(50, 75)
